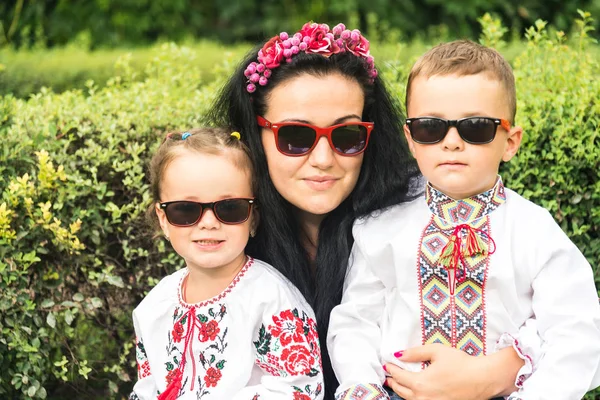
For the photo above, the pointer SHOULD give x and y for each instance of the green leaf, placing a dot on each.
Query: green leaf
(78, 297)
(51, 320)
(47, 303)
(96, 302)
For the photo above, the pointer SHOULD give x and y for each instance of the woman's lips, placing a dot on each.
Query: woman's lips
(320, 182)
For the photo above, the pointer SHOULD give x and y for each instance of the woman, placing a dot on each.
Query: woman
(284, 97)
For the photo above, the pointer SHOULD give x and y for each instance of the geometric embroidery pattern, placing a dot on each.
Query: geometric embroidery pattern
(456, 320)
(363, 392)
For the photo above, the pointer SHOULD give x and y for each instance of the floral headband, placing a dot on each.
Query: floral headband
(312, 38)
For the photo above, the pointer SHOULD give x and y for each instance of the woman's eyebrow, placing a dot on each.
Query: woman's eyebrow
(335, 122)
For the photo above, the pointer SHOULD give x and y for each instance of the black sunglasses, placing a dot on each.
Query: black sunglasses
(188, 213)
(298, 139)
(474, 130)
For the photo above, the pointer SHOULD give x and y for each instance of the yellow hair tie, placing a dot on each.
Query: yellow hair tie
(236, 135)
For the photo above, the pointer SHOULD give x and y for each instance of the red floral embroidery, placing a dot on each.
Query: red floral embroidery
(290, 347)
(171, 375)
(301, 396)
(287, 328)
(297, 360)
(212, 377)
(209, 331)
(174, 386)
(144, 369)
(178, 332)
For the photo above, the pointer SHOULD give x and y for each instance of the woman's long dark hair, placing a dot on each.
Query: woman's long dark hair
(387, 172)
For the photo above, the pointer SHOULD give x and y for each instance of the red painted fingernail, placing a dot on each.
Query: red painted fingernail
(385, 368)
(398, 354)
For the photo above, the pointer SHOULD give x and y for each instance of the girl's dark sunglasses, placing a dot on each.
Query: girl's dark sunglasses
(188, 213)
(298, 139)
(474, 130)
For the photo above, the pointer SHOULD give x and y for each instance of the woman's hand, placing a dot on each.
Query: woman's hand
(454, 375)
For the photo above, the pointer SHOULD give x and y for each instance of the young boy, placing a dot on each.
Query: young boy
(469, 263)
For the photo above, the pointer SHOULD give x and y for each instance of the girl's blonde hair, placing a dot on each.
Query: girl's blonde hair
(216, 141)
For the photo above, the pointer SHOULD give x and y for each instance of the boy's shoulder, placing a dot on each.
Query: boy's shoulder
(525, 210)
(268, 281)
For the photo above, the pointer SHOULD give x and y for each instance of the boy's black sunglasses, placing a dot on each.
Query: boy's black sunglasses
(188, 213)
(474, 130)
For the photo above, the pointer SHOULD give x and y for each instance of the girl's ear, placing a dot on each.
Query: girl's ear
(162, 220)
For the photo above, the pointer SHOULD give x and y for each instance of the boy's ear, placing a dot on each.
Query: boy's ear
(411, 144)
(162, 219)
(513, 142)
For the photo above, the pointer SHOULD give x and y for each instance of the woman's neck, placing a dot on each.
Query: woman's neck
(309, 226)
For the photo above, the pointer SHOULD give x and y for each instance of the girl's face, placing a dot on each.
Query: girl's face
(318, 182)
(206, 178)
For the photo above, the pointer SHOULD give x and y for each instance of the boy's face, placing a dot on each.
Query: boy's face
(453, 166)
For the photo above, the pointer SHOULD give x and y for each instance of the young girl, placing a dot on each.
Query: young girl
(227, 326)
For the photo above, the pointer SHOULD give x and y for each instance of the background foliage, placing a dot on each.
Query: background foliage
(125, 22)
(75, 253)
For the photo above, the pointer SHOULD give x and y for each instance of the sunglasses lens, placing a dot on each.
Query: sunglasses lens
(183, 213)
(428, 130)
(295, 139)
(349, 139)
(477, 130)
(232, 211)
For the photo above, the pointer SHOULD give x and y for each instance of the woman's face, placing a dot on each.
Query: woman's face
(318, 182)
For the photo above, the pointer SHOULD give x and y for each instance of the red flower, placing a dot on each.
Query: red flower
(178, 332)
(212, 377)
(209, 331)
(358, 47)
(297, 360)
(172, 375)
(173, 385)
(271, 53)
(301, 396)
(287, 328)
(319, 42)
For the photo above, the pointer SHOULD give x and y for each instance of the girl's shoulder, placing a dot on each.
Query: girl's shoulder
(265, 283)
(163, 294)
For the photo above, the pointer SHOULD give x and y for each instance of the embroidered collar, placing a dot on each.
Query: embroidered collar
(465, 210)
(220, 296)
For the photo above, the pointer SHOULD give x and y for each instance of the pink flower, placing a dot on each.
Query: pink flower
(359, 47)
(320, 42)
(272, 53)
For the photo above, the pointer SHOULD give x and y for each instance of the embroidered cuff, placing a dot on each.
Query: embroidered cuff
(363, 392)
(524, 352)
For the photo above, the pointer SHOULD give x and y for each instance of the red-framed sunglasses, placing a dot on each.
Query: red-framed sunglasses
(297, 139)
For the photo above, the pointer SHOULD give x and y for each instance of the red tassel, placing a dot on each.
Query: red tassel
(173, 389)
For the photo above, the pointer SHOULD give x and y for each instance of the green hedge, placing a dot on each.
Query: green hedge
(76, 257)
(25, 72)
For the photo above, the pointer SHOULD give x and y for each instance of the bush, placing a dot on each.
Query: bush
(22, 73)
(75, 256)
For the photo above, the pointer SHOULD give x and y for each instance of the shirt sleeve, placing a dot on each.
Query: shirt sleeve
(565, 304)
(354, 336)
(145, 387)
(286, 348)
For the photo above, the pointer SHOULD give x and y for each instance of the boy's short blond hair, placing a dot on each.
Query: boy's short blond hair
(464, 57)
